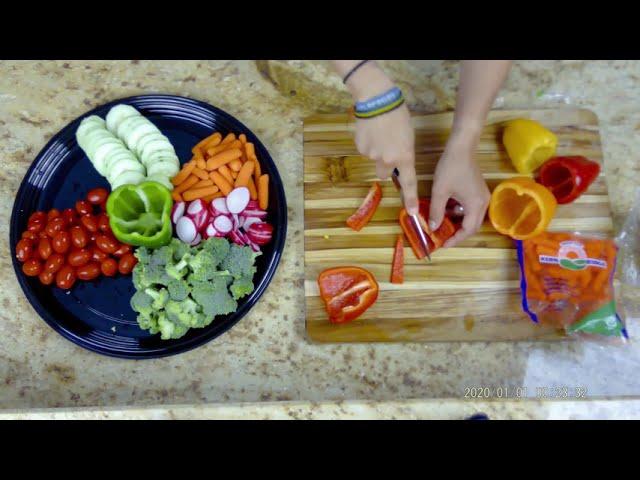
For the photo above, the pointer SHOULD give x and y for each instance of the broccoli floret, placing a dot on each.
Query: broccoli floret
(180, 249)
(186, 312)
(169, 329)
(160, 297)
(152, 275)
(142, 254)
(162, 256)
(142, 303)
(240, 261)
(149, 322)
(241, 287)
(217, 247)
(214, 297)
(136, 276)
(178, 290)
(179, 269)
(203, 265)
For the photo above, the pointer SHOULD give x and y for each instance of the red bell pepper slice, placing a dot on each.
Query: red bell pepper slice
(347, 292)
(568, 177)
(366, 210)
(397, 267)
(435, 239)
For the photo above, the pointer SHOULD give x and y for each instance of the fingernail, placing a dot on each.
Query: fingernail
(432, 224)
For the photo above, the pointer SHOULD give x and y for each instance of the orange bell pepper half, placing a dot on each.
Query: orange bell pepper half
(347, 292)
(367, 209)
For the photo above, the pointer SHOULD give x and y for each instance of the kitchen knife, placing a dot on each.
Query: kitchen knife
(414, 218)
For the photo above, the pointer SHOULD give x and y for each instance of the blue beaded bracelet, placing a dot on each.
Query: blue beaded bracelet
(379, 104)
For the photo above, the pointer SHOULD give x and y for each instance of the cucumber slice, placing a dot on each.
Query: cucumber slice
(90, 131)
(164, 157)
(128, 177)
(122, 165)
(115, 156)
(161, 180)
(117, 114)
(100, 153)
(90, 123)
(96, 143)
(167, 169)
(150, 137)
(140, 131)
(151, 148)
(128, 125)
(95, 136)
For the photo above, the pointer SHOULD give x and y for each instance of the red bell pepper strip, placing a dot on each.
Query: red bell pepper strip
(366, 210)
(436, 238)
(347, 292)
(397, 267)
(568, 177)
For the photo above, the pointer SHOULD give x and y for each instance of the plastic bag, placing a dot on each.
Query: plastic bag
(629, 242)
(566, 280)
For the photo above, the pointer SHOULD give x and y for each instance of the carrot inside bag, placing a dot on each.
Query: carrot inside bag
(567, 282)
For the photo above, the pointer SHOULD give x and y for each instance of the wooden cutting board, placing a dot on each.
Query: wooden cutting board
(467, 293)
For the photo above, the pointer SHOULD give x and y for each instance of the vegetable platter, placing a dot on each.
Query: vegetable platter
(148, 226)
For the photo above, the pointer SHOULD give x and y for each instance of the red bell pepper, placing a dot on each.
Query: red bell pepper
(435, 239)
(366, 210)
(347, 292)
(568, 177)
(397, 267)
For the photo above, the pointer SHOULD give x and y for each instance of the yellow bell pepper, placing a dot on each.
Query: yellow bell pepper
(528, 144)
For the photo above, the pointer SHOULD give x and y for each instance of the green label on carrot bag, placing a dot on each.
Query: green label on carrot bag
(603, 321)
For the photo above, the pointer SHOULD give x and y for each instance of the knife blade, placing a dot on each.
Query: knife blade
(414, 218)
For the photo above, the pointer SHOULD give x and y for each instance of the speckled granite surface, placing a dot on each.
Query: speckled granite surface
(266, 356)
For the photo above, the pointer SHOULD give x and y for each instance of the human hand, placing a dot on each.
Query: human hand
(388, 139)
(458, 176)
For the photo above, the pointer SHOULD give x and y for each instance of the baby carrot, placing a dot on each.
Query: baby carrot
(236, 165)
(250, 151)
(204, 141)
(226, 173)
(253, 192)
(224, 146)
(201, 174)
(196, 193)
(184, 173)
(222, 158)
(187, 184)
(229, 138)
(234, 175)
(243, 138)
(201, 163)
(224, 186)
(244, 174)
(213, 141)
(203, 183)
(263, 191)
(176, 196)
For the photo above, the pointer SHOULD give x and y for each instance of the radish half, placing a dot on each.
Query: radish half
(177, 211)
(186, 229)
(236, 238)
(199, 213)
(238, 199)
(260, 233)
(196, 240)
(248, 221)
(222, 224)
(219, 206)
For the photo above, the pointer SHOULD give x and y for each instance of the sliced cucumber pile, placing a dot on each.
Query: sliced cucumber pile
(127, 148)
(144, 139)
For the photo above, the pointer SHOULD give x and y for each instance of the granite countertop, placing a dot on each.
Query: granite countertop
(266, 357)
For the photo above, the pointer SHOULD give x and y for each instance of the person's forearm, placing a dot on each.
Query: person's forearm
(367, 81)
(480, 81)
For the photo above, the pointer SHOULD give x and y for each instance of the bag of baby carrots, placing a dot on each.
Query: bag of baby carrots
(566, 281)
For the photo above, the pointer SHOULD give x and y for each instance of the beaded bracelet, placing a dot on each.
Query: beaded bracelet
(383, 103)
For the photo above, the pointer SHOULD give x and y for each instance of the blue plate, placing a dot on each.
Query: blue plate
(96, 315)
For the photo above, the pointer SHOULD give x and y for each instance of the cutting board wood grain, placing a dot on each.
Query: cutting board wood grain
(467, 293)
